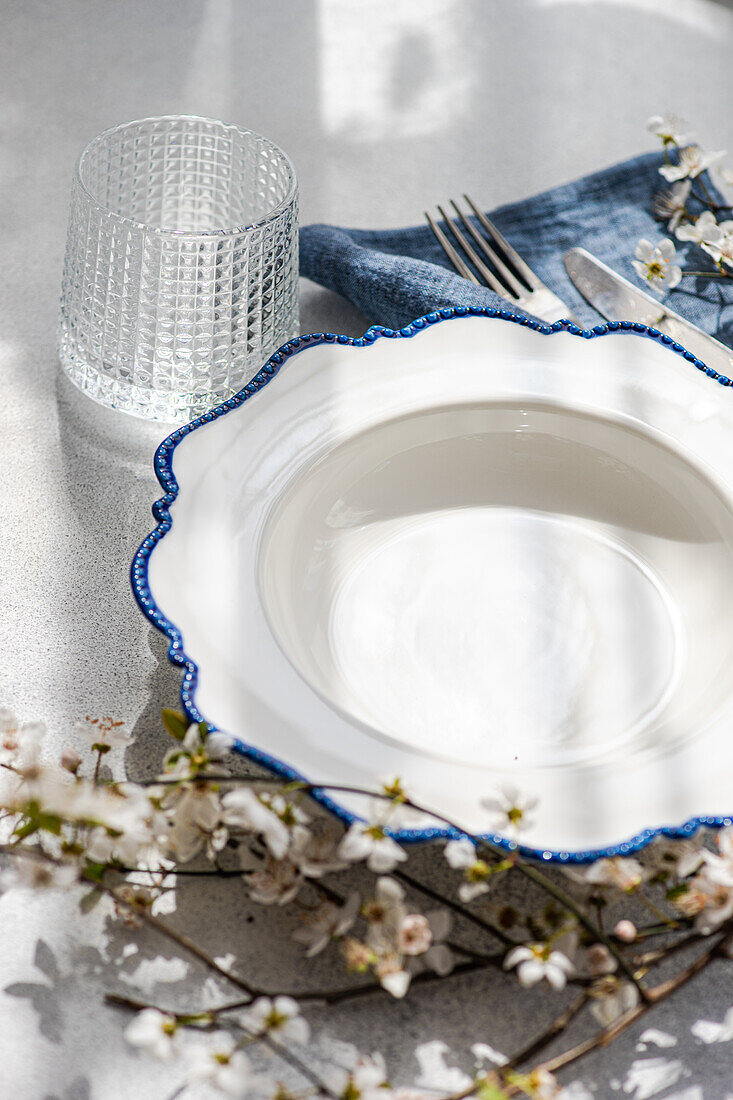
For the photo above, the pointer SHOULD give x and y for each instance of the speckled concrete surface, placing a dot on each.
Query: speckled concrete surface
(385, 107)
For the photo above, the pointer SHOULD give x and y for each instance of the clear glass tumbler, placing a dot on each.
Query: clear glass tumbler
(181, 270)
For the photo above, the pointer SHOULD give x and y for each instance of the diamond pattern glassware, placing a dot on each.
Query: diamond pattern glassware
(181, 269)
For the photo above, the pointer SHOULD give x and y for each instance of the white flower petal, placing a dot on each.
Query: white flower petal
(555, 977)
(666, 249)
(385, 855)
(644, 250)
(469, 891)
(530, 972)
(397, 983)
(439, 958)
(460, 853)
(356, 844)
(517, 955)
(440, 922)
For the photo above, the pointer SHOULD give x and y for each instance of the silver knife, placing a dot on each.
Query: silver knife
(617, 299)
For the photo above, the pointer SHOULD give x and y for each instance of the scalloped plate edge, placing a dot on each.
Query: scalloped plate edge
(163, 464)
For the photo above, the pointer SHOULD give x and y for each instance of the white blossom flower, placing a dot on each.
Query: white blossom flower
(26, 872)
(195, 822)
(399, 942)
(289, 812)
(130, 828)
(669, 128)
(329, 922)
(154, 1032)
(314, 850)
(20, 742)
(704, 230)
(280, 1017)
(277, 883)
(654, 264)
(543, 1085)
(104, 733)
(678, 857)
(512, 809)
(365, 1079)
(242, 808)
(196, 753)
(384, 914)
(414, 935)
(221, 1065)
(722, 250)
(58, 794)
(620, 871)
(461, 855)
(599, 960)
(539, 961)
(692, 161)
(370, 842)
(611, 998)
(707, 900)
(721, 866)
(671, 204)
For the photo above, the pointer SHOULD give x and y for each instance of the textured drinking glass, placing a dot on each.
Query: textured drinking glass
(181, 270)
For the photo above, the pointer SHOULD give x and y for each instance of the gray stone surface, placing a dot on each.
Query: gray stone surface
(386, 107)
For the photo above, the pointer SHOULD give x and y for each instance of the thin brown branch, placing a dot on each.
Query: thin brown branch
(558, 1024)
(655, 996)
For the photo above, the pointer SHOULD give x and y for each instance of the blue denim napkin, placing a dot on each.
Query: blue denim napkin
(396, 275)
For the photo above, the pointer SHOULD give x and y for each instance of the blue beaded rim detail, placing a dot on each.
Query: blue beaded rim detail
(163, 464)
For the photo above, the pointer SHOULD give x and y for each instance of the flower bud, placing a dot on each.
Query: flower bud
(600, 960)
(70, 760)
(625, 930)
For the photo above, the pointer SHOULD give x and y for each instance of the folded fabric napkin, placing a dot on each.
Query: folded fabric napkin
(396, 275)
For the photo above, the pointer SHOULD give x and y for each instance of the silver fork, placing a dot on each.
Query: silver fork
(509, 275)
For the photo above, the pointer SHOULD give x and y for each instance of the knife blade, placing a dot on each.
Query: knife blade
(616, 299)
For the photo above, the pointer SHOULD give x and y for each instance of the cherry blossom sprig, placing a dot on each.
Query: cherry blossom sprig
(132, 843)
(688, 208)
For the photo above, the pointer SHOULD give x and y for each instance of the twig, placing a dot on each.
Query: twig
(571, 905)
(558, 1024)
(654, 996)
(524, 868)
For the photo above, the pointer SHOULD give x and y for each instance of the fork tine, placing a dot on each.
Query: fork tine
(522, 268)
(491, 279)
(516, 288)
(458, 263)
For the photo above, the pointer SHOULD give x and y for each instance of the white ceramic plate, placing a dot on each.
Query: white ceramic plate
(490, 553)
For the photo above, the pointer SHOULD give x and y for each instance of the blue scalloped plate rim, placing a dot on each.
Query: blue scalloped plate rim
(163, 464)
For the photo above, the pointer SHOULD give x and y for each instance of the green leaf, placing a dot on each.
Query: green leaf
(488, 1090)
(94, 872)
(51, 823)
(175, 723)
(90, 901)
